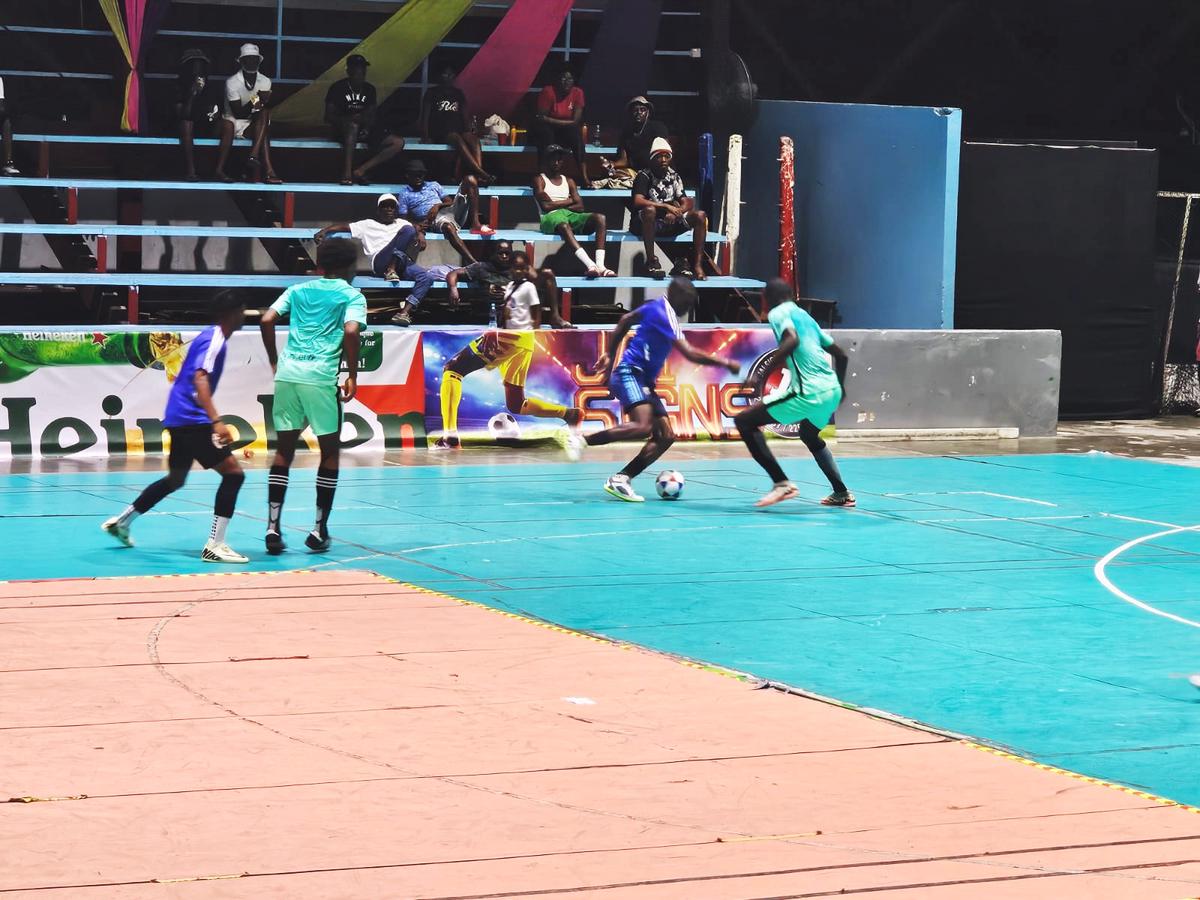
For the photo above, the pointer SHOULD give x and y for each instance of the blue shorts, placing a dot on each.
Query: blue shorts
(629, 387)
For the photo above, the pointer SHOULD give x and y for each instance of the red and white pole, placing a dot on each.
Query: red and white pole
(787, 211)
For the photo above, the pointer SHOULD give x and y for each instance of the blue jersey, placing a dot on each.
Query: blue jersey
(651, 344)
(206, 353)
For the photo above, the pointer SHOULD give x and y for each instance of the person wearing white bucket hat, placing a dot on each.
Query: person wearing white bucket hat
(247, 93)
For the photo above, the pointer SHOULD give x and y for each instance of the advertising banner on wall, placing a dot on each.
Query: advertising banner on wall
(555, 369)
(78, 393)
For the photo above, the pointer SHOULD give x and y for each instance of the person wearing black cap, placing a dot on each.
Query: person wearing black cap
(197, 105)
(432, 207)
(633, 146)
(350, 110)
(247, 97)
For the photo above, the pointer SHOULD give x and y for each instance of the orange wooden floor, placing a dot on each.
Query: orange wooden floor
(339, 736)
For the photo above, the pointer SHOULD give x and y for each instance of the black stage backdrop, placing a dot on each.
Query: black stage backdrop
(1063, 238)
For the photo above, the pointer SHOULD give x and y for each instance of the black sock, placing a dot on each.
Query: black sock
(749, 425)
(327, 480)
(227, 494)
(153, 495)
(277, 485)
(822, 454)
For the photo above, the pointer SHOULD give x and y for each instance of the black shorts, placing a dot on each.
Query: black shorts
(662, 228)
(194, 443)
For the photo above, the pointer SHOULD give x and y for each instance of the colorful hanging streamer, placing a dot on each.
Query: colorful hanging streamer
(394, 50)
(134, 31)
(499, 74)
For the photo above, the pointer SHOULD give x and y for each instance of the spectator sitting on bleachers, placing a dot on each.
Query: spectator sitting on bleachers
(633, 146)
(492, 274)
(445, 120)
(198, 105)
(661, 208)
(351, 110)
(431, 206)
(6, 166)
(247, 93)
(559, 120)
(563, 213)
(392, 243)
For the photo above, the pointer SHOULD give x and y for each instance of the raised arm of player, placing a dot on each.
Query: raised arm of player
(266, 327)
(605, 362)
(789, 343)
(705, 359)
(205, 398)
(350, 342)
(840, 363)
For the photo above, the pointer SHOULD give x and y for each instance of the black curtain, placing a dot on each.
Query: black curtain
(1063, 238)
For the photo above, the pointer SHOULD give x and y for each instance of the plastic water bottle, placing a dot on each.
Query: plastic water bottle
(596, 135)
(492, 315)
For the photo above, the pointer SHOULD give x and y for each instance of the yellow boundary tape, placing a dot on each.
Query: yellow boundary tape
(740, 676)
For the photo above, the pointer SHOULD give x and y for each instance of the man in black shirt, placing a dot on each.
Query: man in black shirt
(350, 110)
(445, 120)
(633, 146)
(197, 105)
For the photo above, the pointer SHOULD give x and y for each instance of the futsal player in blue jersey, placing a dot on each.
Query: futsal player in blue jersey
(632, 380)
(198, 434)
(810, 397)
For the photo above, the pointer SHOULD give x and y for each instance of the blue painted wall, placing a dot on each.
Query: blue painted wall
(876, 207)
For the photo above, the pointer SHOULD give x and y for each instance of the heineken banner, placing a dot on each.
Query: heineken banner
(68, 393)
(552, 371)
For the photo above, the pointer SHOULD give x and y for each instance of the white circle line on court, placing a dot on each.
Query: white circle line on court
(1103, 578)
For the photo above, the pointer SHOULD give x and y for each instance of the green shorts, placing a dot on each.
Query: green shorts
(317, 405)
(580, 222)
(792, 409)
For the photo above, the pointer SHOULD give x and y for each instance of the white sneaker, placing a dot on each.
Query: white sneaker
(121, 532)
(218, 552)
(619, 487)
(10, 169)
(573, 444)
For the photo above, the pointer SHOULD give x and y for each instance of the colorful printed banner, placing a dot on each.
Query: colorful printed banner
(73, 393)
(701, 400)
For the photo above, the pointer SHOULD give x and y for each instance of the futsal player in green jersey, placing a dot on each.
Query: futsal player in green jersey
(325, 316)
(809, 398)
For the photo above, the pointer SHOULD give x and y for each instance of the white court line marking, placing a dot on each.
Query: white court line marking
(1103, 578)
(1140, 521)
(1003, 519)
(591, 534)
(542, 503)
(971, 493)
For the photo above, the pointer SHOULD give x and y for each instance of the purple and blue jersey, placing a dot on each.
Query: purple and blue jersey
(651, 344)
(207, 353)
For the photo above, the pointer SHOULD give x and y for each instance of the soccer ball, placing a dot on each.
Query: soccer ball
(669, 484)
(503, 427)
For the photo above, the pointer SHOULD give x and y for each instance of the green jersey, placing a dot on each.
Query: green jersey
(318, 310)
(812, 373)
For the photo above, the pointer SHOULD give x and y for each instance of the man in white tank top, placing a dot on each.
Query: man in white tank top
(563, 213)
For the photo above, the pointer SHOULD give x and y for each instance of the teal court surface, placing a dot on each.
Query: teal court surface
(1044, 604)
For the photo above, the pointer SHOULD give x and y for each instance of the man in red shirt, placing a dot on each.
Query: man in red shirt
(559, 120)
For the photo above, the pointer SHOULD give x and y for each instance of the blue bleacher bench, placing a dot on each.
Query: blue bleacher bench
(412, 144)
(233, 231)
(299, 187)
